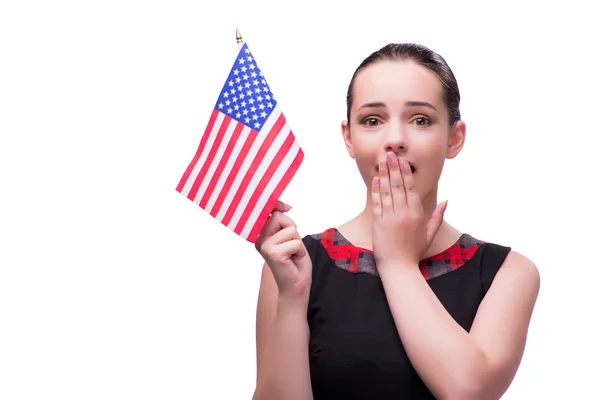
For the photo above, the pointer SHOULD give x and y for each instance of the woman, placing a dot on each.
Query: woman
(395, 303)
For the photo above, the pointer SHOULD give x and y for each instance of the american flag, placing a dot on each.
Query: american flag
(247, 155)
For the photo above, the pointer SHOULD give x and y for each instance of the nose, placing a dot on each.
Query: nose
(396, 139)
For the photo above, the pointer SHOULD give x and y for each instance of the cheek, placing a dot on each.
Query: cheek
(432, 155)
(366, 161)
(435, 146)
(364, 151)
(366, 164)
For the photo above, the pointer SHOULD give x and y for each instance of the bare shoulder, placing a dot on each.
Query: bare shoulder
(512, 295)
(521, 271)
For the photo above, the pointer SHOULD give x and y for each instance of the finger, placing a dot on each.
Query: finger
(281, 206)
(397, 183)
(272, 246)
(291, 249)
(435, 222)
(412, 195)
(284, 235)
(274, 224)
(387, 205)
(297, 249)
(303, 262)
(376, 197)
(277, 222)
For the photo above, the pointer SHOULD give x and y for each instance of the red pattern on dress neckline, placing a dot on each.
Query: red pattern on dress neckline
(357, 259)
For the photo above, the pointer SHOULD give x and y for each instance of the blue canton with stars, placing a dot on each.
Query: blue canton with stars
(246, 96)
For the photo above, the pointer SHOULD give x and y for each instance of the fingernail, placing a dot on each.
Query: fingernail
(445, 205)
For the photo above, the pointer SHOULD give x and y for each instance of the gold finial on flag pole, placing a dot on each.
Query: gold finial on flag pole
(238, 37)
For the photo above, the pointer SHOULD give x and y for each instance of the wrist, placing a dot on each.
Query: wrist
(290, 303)
(398, 268)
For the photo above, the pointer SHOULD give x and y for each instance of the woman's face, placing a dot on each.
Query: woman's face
(398, 107)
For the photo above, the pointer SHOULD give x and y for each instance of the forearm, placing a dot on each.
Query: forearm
(446, 357)
(286, 373)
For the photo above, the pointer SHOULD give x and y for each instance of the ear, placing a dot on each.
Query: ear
(347, 138)
(457, 139)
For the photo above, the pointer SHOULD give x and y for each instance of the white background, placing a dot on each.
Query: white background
(113, 285)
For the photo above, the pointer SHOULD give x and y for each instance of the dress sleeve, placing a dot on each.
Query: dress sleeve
(312, 247)
(491, 260)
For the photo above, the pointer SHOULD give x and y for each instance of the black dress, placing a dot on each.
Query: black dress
(355, 350)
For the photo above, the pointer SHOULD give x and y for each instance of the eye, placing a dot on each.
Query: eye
(370, 122)
(422, 121)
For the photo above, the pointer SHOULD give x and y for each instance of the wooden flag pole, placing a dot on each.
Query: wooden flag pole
(238, 37)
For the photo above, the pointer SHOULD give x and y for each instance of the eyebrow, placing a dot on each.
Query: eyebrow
(376, 104)
(379, 104)
(419, 104)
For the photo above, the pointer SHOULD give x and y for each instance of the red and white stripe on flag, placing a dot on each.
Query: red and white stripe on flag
(239, 173)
